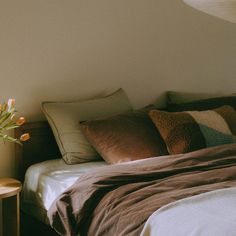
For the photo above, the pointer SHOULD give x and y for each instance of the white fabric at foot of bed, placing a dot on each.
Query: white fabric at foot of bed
(212, 213)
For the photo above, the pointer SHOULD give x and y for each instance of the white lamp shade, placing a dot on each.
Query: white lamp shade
(225, 9)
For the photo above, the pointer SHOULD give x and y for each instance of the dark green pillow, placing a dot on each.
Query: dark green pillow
(203, 104)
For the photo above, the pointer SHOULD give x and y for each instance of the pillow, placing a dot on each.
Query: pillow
(192, 130)
(63, 118)
(125, 137)
(161, 101)
(204, 104)
(182, 97)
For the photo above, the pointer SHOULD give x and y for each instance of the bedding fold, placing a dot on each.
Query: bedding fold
(118, 200)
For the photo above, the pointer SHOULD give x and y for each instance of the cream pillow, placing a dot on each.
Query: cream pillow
(64, 118)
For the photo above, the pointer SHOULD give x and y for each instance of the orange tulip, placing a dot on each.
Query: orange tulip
(20, 121)
(24, 137)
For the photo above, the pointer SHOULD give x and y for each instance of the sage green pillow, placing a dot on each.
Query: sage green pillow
(64, 118)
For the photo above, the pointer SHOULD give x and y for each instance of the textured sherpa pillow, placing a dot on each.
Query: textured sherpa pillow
(192, 130)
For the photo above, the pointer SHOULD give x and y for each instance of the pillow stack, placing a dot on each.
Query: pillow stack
(186, 129)
(108, 128)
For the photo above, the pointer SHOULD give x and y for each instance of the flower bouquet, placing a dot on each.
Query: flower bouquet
(8, 121)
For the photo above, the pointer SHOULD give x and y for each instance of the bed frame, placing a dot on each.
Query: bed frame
(41, 146)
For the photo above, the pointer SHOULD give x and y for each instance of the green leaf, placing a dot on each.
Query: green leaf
(6, 137)
(9, 123)
(11, 127)
(4, 117)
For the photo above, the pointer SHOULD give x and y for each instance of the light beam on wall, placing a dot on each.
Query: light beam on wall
(224, 9)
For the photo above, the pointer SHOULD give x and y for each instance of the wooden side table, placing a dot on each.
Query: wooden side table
(9, 193)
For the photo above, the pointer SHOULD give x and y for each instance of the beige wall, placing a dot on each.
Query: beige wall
(74, 49)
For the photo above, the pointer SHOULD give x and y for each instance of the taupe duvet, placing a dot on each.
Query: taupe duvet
(117, 200)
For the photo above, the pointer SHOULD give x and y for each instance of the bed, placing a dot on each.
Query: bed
(42, 147)
(159, 193)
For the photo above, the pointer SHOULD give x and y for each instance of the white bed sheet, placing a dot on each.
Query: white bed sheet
(207, 214)
(45, 181)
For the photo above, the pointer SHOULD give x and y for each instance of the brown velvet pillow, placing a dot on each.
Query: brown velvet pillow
(192, 130)
(125, 137)
(204, 104)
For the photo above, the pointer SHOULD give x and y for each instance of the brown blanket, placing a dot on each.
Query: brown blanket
(117, 200)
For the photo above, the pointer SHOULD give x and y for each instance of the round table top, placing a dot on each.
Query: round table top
(9, 187)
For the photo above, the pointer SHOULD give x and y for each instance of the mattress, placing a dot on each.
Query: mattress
(45, 181)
